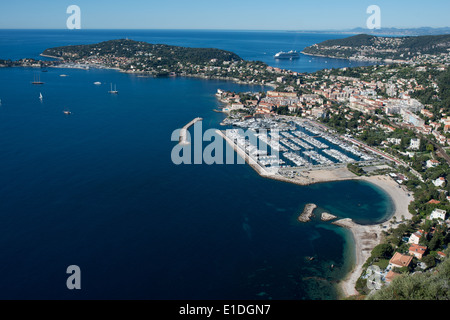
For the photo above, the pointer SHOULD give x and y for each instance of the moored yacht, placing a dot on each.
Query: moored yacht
(287, 55)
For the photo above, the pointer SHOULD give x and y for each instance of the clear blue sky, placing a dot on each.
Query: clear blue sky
(227, 14)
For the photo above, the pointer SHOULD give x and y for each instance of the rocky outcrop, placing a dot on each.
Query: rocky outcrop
(327, 217)
(307, 213)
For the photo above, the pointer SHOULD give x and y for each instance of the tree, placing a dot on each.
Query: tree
(429, 261)
(383, 250)
(420, 286)
(435, 242)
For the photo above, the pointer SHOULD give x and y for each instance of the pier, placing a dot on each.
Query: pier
(183, 133)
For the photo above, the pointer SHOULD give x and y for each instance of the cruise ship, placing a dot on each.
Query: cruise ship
(287, 55)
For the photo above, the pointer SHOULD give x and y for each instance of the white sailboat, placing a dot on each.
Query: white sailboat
(113, 91)
(40, 96)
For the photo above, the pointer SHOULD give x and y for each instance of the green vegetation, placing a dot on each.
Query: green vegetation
(158, 54)
(373, 47)
(444, 91)
(419, 286)
(164, 60)
(353, 41)
(355, 169)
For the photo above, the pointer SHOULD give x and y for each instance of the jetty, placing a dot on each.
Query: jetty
(183, 133)
(307, 212)
(252, 162)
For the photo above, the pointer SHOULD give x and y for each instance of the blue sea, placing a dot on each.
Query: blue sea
(97, 188)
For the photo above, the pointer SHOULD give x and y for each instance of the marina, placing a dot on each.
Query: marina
(296, 143)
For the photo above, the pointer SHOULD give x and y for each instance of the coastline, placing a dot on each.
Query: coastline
(140, 73)
(374, 60)
(365, 237)
(53, 57)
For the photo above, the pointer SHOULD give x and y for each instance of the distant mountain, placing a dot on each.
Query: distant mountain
(424, 31)
(370, 47)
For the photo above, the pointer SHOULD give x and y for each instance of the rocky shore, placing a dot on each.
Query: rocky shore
(307, 213)
(327, 217)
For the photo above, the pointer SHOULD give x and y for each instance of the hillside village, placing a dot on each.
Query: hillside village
(400, 110)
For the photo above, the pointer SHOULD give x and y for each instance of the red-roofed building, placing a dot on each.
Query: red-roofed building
(432, 163)
(400, 260)
(391, 275)
(417, 251)
(447, 128)
(441, 254)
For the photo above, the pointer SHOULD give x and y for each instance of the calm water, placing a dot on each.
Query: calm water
(250, 45)
(98, 189)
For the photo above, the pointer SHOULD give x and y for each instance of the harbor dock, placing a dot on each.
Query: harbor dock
(183, 133)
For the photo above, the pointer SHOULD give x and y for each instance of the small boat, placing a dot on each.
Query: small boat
(97, 83)
(63, 75)
(113, 91)
(40, 96)
(67, 112)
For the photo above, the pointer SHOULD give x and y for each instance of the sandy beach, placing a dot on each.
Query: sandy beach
(367, 237)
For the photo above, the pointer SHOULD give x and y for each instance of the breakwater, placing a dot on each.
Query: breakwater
(183, 133)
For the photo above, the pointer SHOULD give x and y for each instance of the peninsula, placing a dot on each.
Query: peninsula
(164, 60)
(365, 47)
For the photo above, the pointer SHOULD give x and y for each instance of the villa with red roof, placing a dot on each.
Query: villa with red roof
(391, 275)
(417, 251)
(400, 260)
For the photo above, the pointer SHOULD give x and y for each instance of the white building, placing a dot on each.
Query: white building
(438, 214)
(394, 141)
(432, 163)
(439, 182)
(416, 236)
(415, 144)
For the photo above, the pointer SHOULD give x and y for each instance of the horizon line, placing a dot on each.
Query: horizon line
(225, 29)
